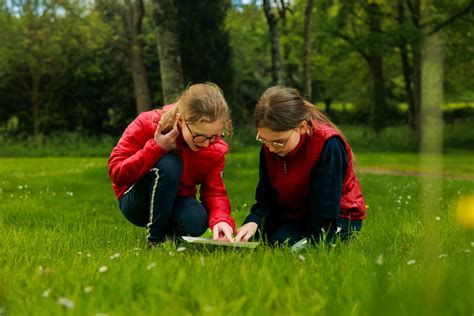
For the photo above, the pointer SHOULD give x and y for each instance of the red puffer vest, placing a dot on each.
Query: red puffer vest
(290, 176)
(137, 152)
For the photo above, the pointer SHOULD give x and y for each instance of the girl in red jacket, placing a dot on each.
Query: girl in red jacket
(163, 155)
(307, 186)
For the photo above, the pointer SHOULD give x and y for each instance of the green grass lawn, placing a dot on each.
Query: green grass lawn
(60, 227)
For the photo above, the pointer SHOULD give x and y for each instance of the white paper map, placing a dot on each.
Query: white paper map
(206, 241)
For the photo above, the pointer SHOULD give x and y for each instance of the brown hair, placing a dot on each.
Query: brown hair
(281, 109)
(202, 102)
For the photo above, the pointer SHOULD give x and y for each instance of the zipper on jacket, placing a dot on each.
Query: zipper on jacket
(285, 168)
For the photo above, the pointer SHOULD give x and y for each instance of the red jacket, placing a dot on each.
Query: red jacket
(293, 187)
(137, 152)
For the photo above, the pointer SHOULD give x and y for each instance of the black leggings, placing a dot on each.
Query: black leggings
(153, 203)
(278, 231)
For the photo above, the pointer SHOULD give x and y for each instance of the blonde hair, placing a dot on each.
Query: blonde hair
(202, 102)
(281, 109)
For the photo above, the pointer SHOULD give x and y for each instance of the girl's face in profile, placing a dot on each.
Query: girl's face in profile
(200, 135)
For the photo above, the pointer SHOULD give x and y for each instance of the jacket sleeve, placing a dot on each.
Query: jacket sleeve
(213, 195)
(135, 154)
(327, 178)
(264, 194)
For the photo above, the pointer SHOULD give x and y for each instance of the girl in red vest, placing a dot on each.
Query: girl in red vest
(163, 155)
(307, 186)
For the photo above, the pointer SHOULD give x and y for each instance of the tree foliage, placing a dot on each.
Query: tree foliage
(65, 65)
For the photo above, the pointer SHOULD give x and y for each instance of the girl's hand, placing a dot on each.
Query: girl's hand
(246, 232)
(222, 231)
(166, 141)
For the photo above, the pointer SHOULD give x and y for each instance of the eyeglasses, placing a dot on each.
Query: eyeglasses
(279, 144)
(199, 139)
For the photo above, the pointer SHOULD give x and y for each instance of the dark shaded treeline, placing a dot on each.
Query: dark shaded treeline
(66, 66)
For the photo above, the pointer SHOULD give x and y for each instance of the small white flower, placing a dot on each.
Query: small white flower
(88, 289)
(467, 250)
(114, 256)
(20, 187)
(472, 243)
(88, 255)
(103, 269)
(151, 266)
(171, 253)
(443, 255)
(411, 262)
(379, 260)
(79, 253)
(44, 270)
(180, 249)
(438, 218)
(46, 293)
(409, 197)
(64, 301)
(301, 257)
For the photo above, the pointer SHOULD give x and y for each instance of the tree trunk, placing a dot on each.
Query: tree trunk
(407, 78)
(415, 9)
(274, 40)
(416, 47)
(406, 70)
(308, 18)
(377, 113)
(327, 104)
(375, 62)
(288, 80)
(165, 17)
(417, 86)
(141, 88)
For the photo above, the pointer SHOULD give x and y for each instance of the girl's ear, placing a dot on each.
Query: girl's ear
(179, 118)
(304, 129)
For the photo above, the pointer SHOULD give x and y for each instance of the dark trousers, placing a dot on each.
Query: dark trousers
(279, 231)
(153, 203)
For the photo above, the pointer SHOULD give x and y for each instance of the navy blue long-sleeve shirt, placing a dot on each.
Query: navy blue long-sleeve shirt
(325, 192)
